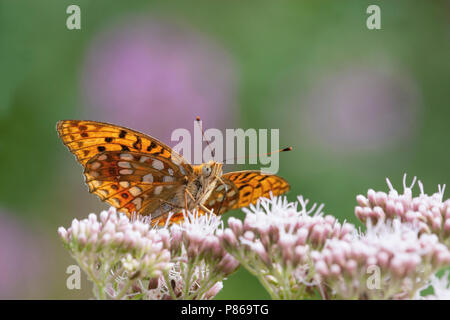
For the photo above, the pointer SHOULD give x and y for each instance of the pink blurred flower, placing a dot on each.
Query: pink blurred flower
(156, 75)
(361, 109)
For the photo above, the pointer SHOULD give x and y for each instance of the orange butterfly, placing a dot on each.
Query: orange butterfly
(139, 174)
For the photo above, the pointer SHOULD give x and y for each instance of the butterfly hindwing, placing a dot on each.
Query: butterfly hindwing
(244, 188)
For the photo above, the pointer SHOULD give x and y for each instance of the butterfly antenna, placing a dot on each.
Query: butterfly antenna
(213, 153)
(261, 154)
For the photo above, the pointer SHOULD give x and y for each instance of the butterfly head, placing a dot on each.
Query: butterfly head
(211, 170)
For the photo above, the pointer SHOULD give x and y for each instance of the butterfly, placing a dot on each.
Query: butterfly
(140, 175)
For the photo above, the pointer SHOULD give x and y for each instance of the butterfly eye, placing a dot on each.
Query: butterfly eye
(206, 171)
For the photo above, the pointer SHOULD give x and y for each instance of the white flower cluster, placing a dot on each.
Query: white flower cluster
(275, 240)
(390, 261)
(299, 253)
(429, 213)
(128, 259)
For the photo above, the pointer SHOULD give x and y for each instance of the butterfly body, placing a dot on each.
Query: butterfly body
(139, 174)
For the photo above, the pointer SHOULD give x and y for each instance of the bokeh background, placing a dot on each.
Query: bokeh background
(357, 105)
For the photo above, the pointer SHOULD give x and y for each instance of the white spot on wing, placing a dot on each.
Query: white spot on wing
(124, 184)
(158, 190)
(157, 164)
(170, 171)
(124, 164)
(95, 165)
(94, 174)
(126, 171)
(212, 202)
(168, 179)
(231, 193)
(126, 156)
(138, 203)
(102, 157)
(135, 191)
(96, 183)
(147, 178)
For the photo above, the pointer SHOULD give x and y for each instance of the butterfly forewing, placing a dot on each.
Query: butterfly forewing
(86, 139)
(131, 171)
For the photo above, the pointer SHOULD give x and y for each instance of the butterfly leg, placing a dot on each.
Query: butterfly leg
(205, 209)
(193, 199)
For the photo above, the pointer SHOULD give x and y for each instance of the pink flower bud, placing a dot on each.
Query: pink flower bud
(302, 236)
(104, 216)
(399, 210)
(63, 233)
(235, 225)
(381, 198)
(211, 293)
(82, 239)
(118, 238)
(75, 226)
(397, 266)
(371, 194)
(359, 213)
(229, 238)
(249, 235)
(321, 268)
(378, 213)
(351, 267)
(335, 270)
(362, 201)
(92, 217)
(447, 226)
(383, 259)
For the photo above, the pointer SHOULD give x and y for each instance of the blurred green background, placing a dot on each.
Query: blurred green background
(357, 105)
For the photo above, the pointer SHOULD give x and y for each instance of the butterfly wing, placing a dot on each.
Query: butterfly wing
(129, 170)
(86, 139)
(134, 182)
(244, 188)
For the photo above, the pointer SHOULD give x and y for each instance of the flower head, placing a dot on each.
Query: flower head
(431, 214)
(127, 258)
(390, 260)
(275, 239)
(111, 248)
